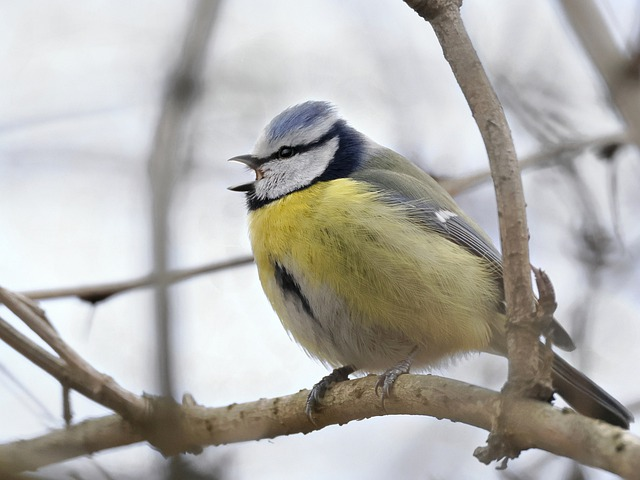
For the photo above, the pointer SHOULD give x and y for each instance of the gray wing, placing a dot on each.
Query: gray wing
(455, 228)
(430, 205)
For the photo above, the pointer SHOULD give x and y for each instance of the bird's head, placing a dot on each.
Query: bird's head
(304, 144)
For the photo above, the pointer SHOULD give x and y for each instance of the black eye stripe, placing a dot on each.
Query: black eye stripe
(294, 150)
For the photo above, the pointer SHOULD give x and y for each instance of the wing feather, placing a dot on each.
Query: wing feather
(430, 206)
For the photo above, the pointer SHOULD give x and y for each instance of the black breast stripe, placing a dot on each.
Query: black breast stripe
(290, 287)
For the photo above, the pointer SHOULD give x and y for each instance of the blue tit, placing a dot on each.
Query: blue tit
(372, 266)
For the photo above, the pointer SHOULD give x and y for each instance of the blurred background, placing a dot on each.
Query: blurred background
(94, 189)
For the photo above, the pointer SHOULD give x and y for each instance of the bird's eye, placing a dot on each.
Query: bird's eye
(286, 152)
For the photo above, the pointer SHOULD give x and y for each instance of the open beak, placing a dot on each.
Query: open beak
(253, 163)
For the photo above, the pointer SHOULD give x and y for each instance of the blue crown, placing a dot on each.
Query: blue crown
(300, 117)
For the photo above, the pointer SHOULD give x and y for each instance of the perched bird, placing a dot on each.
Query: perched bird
(372, 266)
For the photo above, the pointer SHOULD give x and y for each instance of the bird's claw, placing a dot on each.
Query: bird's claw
(388, 379)
(317, 393)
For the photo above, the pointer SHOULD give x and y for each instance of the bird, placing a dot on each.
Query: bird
(371, 265)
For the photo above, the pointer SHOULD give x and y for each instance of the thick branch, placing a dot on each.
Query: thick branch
(444, 17)
(530, 423)
(523, 348)
(84, 438)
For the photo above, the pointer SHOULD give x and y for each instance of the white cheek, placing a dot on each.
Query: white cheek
(291, 174)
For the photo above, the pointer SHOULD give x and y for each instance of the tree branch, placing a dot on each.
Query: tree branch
(167, 162)
(530, 423)
(523, 346)
(548, 156)
(70, 369)
(100, 292)
(619, 71)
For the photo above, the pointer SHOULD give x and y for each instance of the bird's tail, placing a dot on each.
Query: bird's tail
(586, 397)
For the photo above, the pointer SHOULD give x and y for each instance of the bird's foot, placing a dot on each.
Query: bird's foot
(388, 379)
(319, 390)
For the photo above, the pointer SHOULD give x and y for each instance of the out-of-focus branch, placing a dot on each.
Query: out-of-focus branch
(618, 70)
(548, 156)
(530, 422)
(98, 293)
(167, 161)
(455, 186)
(525, 369)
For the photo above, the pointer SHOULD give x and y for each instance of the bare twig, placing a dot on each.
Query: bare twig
(98, 293)
(583, 439)
(31, 351)
(23, 387)
(552, 155)
(70, 369)
(545, 308)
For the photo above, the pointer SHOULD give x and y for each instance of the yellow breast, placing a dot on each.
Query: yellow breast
(393, 279)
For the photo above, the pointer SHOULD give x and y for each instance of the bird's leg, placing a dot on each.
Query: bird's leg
(319, 389)
(388, 378)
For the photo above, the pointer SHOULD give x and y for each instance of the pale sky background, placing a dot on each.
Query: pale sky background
(80, 89)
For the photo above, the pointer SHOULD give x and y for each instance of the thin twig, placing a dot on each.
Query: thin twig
(552, 155)
(76, 371)
(32, 351)
(53, 365)
(100, 292)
